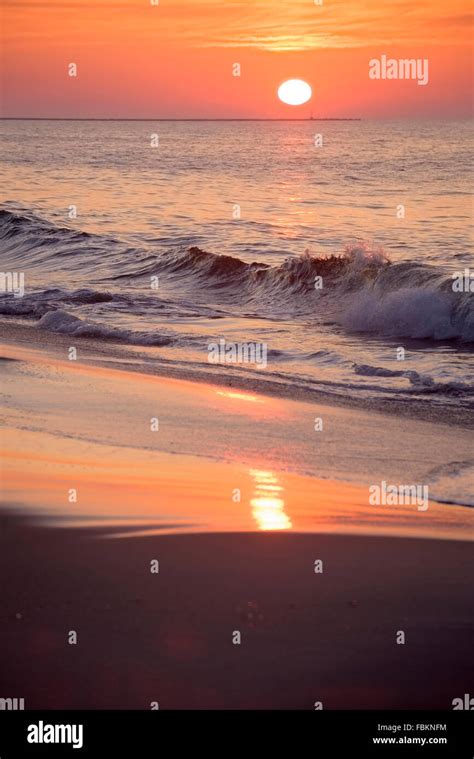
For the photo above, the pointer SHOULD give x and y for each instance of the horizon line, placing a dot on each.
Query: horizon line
(106, 118)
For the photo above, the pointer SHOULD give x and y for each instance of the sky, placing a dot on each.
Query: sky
(178, 59)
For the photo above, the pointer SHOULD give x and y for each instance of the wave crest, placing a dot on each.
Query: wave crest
(360, 289)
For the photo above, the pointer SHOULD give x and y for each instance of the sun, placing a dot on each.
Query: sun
(294, 92)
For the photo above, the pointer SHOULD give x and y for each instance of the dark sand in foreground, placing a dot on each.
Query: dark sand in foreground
(167, 637)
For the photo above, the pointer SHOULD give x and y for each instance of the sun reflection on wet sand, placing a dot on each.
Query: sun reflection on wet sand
(268, 509)
(239, 396)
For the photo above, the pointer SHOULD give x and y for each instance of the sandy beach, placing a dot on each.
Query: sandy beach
(167, 637)
(238, 522)
(138, 446)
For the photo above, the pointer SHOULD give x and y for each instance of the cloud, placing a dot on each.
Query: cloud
(271, 25)
(303, 25)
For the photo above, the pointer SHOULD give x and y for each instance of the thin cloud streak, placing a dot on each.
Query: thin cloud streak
(250, 24)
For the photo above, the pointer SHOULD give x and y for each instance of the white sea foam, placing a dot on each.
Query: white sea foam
(68, 324)
(414, 312)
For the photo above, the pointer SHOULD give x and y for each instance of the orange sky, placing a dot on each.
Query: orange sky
(175, 59)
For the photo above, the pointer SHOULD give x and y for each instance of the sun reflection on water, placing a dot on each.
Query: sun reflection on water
(239, 396)
(268, 507)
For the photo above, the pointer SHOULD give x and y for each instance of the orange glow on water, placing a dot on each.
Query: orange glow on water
(239, 396)
(268, 510)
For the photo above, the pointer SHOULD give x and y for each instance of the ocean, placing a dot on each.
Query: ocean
(335, 244)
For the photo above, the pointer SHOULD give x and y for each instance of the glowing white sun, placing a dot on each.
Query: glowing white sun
(294, 92)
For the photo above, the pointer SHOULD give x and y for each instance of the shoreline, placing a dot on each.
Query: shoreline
(155, 453)
(144, 361)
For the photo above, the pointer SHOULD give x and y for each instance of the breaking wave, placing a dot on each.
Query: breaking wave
(360, 289)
